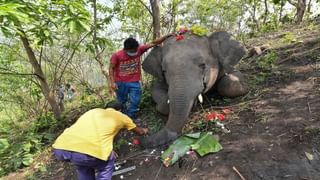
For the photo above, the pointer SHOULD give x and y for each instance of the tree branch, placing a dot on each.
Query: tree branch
(19, 74)
(71, 56)
(292, 3)
(150, 12)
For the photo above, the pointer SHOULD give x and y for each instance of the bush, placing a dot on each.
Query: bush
(267, 62)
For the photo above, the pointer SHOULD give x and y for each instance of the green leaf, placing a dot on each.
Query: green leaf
(72, 26)
(202, 143)
(26, 147)
(27, 159)
(177, 150)
(84, 25)
(194, 135)
(46, 33)
(6, 31)
(4, 144)
(199, 30)
(206, 144)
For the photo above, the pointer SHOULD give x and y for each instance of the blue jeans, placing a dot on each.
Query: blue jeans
(86, 165)
(129, 95)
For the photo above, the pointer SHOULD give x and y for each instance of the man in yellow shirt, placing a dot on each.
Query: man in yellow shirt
(88, 143)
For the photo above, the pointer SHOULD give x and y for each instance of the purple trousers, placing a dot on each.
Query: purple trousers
(86, 165)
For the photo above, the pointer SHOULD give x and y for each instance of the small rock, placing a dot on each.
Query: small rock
(210, 163)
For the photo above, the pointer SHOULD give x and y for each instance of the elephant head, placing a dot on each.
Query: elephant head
(184, 70)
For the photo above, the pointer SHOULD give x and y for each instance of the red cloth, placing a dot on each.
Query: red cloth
(128, 68)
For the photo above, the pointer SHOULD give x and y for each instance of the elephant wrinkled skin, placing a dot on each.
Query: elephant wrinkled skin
(187, 68)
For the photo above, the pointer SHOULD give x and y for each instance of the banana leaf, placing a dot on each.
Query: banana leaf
(206, 144)
(177, 150)
(203, 143)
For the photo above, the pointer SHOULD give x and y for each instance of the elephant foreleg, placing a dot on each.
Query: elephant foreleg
(232, 85)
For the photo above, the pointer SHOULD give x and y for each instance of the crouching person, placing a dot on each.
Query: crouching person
(88, 143)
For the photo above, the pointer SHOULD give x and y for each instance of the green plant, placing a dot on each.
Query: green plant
(289, 37)
(271, 25)
(119, 143)
(267, 62)
(199, 30)
(259, 78)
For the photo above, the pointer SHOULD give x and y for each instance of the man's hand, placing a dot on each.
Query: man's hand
(140, 131)
(145, 131)
(112, 88)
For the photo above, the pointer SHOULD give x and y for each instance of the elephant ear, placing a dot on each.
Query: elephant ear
(227, 50)
(152, 63)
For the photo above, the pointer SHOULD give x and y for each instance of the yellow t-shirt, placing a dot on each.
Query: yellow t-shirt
(93, 133)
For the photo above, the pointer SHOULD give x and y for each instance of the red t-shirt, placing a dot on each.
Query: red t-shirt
(128, 68)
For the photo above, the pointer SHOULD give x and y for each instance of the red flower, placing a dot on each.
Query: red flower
(179, 37)
(215, 116)
(221, 117)
(212, 116)
(136, 142)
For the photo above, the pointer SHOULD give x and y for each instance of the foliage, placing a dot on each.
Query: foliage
(271, 25)
(267, 62)
(289, 37)
(199, 30)
(21, 141)
(119, 143)
(259, 78)
(210, 14)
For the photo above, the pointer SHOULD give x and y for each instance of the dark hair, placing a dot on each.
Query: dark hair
(114, 104)
(130, 43)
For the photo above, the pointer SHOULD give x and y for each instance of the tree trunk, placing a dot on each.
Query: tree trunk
(254, 20)
(301, 7)
(97, 52)
(309, 6)
(281, 10)
(48, 94)
(174, 14)
(155, 18)
(266, 11)
(301, 10)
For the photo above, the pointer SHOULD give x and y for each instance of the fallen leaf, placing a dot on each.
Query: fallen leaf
(309, 156)
(226, 111)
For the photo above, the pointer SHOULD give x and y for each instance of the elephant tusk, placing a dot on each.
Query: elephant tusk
(168, 101)
(200, 98)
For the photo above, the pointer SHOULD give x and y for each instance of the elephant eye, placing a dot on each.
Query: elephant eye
(202, 66)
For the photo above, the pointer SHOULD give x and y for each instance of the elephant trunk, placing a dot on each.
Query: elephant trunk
(181, 100)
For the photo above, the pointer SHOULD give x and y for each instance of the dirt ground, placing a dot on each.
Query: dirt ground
(275, 130)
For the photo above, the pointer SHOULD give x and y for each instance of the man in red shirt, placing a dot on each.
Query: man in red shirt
(125, 74)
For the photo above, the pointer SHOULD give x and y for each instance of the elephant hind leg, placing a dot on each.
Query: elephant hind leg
(232, 85)
(160, 96)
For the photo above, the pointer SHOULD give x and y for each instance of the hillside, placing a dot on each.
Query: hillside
(274, 129)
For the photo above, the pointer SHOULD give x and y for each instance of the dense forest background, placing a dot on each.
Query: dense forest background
(47, 44)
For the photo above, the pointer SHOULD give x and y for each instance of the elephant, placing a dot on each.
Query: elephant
(185, 69)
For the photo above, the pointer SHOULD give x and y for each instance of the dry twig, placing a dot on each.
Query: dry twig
(240, 175)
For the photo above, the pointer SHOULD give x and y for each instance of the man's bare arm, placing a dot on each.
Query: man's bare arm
(159, 40)
(140, 131)
(112, 86)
